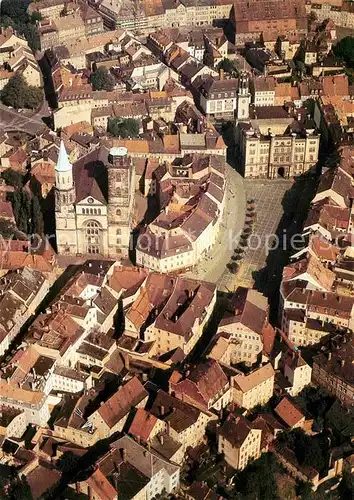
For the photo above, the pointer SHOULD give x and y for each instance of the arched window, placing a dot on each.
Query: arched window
(119, 212)
(92, 228)
(95, 211)
(84, 211)
(93, 236)
(99, 211)
(118, 232)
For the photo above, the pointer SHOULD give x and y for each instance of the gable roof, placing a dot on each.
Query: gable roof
(236, 429)
(288, 412)
(246, 383)
(90, 176)
(120, 404)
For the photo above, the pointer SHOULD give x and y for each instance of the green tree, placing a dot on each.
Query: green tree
(301, 67)
(32, 36)
(128, 127)
(12, 177)
(18, 94)
(101, 79)
(258, 479)
(11, 486)
(37, 223)
(304, 491)
(36, 16)
(21, 206)
(19, 488)
(15, 9)
(228, 66)
(34, 97)
(345, 50)
(312, 451)
(14, 14)
(68, 462)
(13, 94)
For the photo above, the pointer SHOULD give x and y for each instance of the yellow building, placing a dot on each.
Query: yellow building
(245, 320)
(297, 371)
(275, 144)
(50, 9)
(239, 441)
(254, 389)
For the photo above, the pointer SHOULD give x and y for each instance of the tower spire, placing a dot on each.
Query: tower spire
(63, 163)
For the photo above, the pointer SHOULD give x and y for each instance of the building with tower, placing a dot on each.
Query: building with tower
(243, 97)
(276, 141)
(226, 97)
(94, 201)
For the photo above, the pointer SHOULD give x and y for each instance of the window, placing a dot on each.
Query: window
(118, 212)
(92, 228)
(93, 249)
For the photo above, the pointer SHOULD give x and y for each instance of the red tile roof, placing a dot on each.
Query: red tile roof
(120, 404)
(142, 425)
(288, 412)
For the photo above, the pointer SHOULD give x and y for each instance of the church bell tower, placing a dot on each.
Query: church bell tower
(65, 220)
(121, 189)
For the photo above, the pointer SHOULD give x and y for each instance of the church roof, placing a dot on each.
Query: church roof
(63, 164)
(90, 176)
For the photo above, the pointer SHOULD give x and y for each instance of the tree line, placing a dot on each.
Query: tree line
(26, 207)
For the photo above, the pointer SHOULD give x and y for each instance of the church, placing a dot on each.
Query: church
(94, 202)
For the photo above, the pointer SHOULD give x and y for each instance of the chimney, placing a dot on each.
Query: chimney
(221, 74)
(162, 410)
(342, 362)
(329, 356)
(161, 439)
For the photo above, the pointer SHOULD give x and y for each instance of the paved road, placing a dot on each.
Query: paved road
(213, 267)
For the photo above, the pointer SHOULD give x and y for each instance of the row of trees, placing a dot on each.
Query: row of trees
(14, 14)
(18, 94)
(27, 209)
(27, 212)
